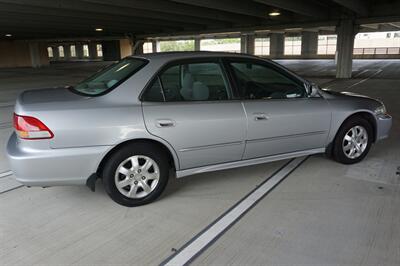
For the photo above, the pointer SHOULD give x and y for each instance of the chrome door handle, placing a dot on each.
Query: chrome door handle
(165, 123)
(260, 117)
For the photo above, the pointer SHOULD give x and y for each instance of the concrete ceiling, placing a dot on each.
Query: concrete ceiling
(52, 19)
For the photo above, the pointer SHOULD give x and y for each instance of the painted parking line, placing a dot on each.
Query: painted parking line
(10, 189)
(7, 104)
(376, 72)
(194, 247)
(5, 125)
(360, 73)
(7, 183)
(367, 78)
(4, 174)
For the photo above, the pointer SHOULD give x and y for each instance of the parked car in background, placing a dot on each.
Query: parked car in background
(192, 112)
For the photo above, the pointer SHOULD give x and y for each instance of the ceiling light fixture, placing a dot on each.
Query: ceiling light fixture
(8, 35)
(274, 13)
(98, 29)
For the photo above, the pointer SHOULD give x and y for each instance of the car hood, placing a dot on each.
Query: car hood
(343, 94)
(355, 100)
(330, 94)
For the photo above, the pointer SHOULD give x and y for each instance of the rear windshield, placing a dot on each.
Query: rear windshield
(110, 77)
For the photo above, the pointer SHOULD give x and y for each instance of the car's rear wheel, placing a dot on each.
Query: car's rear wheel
(136, 174)
(353, 141)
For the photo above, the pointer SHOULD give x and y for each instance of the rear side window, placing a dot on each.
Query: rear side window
(203, 81)
(260, 82)
(154, 93)
(110, 77)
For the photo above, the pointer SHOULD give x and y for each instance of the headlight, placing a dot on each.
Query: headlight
(381, 110)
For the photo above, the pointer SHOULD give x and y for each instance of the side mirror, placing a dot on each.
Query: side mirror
(312, 89)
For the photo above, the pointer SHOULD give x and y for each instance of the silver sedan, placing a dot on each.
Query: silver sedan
(134, 121)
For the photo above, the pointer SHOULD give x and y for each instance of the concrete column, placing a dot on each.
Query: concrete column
(67, 52)
(154, 45)
(43, 54)
(79, 50)
(247, 43)
(346, 32)
(92, 50)
(158, 48)
(309, 44)
(35, 54)
(197, 44)
(125, 48)
(276, 45)
(113, 50)
(137, 48)
(56, 55)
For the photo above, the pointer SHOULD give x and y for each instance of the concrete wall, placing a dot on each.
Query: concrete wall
(14, 54)
(18, 54)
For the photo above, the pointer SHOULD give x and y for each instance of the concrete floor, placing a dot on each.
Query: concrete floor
(323, 213)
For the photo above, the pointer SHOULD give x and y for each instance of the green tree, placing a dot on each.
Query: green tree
(169, 46)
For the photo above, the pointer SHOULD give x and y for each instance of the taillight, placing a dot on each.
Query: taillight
(28, 127)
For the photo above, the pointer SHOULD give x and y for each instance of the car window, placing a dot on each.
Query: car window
(171, 83)
(110, 77)
(261, 82)
(154, 93)
(192, 82)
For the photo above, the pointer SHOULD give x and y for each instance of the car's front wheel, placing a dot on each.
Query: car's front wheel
(136, 174)
(353, 141)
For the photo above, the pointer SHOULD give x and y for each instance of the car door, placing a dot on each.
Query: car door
(190, 105)
(282, 118)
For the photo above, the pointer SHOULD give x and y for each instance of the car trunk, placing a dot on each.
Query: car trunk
(51, 95)
(75, 120)
(57, 108)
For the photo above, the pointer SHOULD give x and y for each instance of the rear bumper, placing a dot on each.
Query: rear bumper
(384, 124)
(52, 167)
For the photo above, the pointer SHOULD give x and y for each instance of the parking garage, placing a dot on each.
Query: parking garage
(307, 210)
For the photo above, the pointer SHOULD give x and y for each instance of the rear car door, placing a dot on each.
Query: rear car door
(282, 118)
(190, 105)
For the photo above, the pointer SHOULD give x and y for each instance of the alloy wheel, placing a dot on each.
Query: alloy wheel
(355, 142)
(137, 176)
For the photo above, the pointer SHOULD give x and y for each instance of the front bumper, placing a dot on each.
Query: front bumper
(383, 126)
(34, 164)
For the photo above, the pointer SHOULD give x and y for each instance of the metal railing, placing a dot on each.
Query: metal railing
(377, 51)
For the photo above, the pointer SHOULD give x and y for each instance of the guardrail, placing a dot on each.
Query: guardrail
(377, 50)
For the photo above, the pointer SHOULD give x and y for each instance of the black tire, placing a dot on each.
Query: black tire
(338, 153)
(110, 168)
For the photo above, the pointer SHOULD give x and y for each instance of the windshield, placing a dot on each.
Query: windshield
(110, 77)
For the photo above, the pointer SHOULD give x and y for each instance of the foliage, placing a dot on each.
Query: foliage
(185, 45)
(220, 41)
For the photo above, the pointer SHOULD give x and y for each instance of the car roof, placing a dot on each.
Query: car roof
(167, 56)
